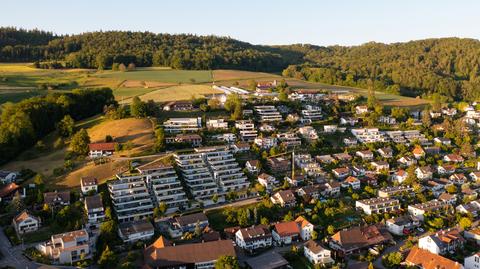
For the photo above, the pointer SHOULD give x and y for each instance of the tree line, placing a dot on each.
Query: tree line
(24, 123)
(446, 66)
(103, 49)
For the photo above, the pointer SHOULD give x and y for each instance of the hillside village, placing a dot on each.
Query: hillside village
(267, 177)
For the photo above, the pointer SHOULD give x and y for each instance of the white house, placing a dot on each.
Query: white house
(401, 224)
(253, 238)
(424, 173)
(472, 262)
(365, 154)
(136, 231)
(25, 223)
(253, 166)
(442, 242)
(361, 109)
(267, 181)
(88, 184)
(306, 228)
(7, 176)
(68, 247)
(317, 254)
(352, 182)
(284, 233)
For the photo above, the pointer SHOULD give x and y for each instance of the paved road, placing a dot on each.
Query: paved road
(12, 256)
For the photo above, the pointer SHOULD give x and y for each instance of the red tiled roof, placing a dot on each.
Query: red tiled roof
(287, 228)
(102, 146)
(427, 260)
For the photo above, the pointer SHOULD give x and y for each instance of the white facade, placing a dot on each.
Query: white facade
(178, 125)
(217, 124)
(246, 129)
(67, 247)
(267, 113)
(472, 262)
(368, 135)
(378, 205)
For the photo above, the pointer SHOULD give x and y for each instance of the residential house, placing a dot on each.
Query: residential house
(394, 191)
(326, 159)
(253, 166)
(308, 132)
(279, 165)
(268, 181)
(368, 135)
(8, 176)
(56, 198)
(400, 175)
(342, 157)
(351, 182)
(361, 110)
(187, 223)
(380, 166)
(284, 198)
(25, 223)
(448, 198)
(424, 259)
(424, 172)
(401, 225)
(473, 261)
(194, 140)
(418, 152)
(267, 113)
(407, 161)
(88, 184)
(284, 233)
(446, 169)
(442, 141)
(458, 179)
(331, 189)
(94, 210)
(348, 121)
(306, 228)
(378, 205)
(385, 152)
(296, 180)
(341, 172)
(472, 207)
(241, 147)
(475, 176)
(178, 106)
(270, 260)
(8, 191)
(67, 248)
(265, 142)
(254, 237)
(357, 170)
(365, 154)
(97, 150)
(442, 242)
(317, 254)
(454, 158)
(217, 124)
(473, 235)
(161, 254)
(355, 239)
(136, 231)
(247, 130)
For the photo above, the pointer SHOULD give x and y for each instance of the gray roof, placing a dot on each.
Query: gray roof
(267, 261)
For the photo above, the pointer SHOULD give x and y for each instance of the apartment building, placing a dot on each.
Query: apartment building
(226, 171)
(164, 185)
(418, 210)
(368, 135)
(312, 113)
(378, 205)
(196, 175)
(267, 113)
(246, 129)
(67, 247)
(95, 211)
(179, 125)
(130, 197)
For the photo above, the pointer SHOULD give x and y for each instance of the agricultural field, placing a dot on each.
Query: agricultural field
(160, 74)
(180, 92)
(223, 75)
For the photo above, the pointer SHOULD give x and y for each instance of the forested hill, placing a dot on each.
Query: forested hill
(447, 66)
(101, 49)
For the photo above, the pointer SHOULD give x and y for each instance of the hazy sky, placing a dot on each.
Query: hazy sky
(344, 22)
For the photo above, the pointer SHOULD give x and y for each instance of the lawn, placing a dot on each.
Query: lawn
(161, 74)
(126, 93)
(180, 92)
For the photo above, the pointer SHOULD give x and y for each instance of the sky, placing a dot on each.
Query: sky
(269, 22)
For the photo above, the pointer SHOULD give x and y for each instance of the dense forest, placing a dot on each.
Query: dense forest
(102, 49)
(24, 123)
(448, 66)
